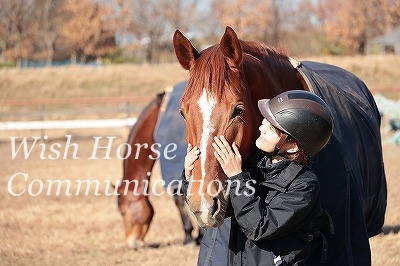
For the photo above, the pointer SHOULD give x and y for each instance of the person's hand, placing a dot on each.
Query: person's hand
(229, 158)
(191, 156)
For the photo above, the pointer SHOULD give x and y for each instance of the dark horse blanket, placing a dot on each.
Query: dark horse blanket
(355, 177)
(352, 180)
(170, 133)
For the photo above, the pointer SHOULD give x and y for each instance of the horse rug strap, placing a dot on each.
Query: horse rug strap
(169, 135)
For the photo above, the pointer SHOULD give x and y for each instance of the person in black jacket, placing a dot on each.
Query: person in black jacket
(277, 223)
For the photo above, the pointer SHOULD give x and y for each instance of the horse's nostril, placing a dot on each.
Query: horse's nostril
(216, 207)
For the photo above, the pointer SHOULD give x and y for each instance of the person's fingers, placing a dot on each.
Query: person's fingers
(218, 142)
(221, 146)
(226, 146)
(219, 154)
(191, 159)
(224, 141)
(189, 148)
(217, 149)
(219, 159)
(236, 150)
(192, 155)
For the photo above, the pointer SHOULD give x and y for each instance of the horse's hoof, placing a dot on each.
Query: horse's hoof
(198, 240)
(135, 244)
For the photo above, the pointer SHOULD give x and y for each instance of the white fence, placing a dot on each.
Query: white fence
(386, 106)
(65, 124)
(73, 113)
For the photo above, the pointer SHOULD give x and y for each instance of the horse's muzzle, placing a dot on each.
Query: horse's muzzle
(211, 215)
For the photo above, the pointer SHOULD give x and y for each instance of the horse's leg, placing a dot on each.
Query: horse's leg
(200, 236)
(185, 217)
(135, 240)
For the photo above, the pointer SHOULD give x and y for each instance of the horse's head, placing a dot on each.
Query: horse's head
(226, 81)
(137, 213)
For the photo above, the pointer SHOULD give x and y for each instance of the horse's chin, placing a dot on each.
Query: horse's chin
(215, 218)
(210, 222)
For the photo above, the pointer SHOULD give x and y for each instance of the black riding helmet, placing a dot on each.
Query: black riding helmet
(302, 115)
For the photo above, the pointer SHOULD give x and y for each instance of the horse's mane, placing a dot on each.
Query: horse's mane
(273, 60)
(156, 102)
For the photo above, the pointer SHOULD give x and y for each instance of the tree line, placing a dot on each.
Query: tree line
(86, 30)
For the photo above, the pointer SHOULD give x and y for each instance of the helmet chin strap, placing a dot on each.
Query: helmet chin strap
(280, 143)
(278, 148)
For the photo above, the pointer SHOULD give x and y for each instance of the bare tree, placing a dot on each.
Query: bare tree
(5, 28)
(152, 22)
(89, 30)
(16, 34)
(179, 13)
(351, 23)
(254, 19)
(245, 17)
(48, 21)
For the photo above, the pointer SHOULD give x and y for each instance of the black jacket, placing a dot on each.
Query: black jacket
(281, 218)
(278, 219)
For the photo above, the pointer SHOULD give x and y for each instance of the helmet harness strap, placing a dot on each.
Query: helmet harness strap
(278, 148)
(280, 143)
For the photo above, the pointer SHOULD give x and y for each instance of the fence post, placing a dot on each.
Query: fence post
(42, 118)
(128, 114)
(127, 109)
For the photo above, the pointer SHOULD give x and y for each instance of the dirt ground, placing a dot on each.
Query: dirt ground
(87, 229)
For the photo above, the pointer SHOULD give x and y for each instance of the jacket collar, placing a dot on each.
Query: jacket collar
(279, 175)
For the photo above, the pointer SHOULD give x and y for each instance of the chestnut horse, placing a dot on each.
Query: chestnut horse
(133, 201)
(226, 81)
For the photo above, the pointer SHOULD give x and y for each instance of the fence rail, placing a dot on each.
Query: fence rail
(65, 124)
(77, 108)
(75, 100)
(44, 122)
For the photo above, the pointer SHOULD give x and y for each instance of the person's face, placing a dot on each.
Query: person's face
(268, 137)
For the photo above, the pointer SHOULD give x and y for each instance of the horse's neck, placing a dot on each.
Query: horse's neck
(277, 76)
(266, 80)
(141, 160)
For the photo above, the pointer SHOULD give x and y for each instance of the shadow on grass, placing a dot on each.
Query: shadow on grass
(167, 244)
(390, 229)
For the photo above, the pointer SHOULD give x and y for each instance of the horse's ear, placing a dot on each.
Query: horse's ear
(231, 48)
(184, 50)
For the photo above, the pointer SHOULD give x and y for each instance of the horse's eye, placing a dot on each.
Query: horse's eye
(239, 110)
(182, 114)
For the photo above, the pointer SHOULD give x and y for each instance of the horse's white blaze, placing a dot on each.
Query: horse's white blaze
(206, 104)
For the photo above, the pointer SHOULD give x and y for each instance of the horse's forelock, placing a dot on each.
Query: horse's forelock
(211, 72)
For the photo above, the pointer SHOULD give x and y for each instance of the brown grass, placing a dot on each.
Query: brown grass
(138, 80)
(87, 230)
(88, 81)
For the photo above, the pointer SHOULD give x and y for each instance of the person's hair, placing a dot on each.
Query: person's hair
(300, 156)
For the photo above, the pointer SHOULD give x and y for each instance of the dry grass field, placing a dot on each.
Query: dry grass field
(78, 229)
(87, 229)
(51, 229)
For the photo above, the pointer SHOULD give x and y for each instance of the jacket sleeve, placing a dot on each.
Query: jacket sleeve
(284, 214)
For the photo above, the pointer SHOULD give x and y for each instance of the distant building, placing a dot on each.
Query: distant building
(388, 43)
